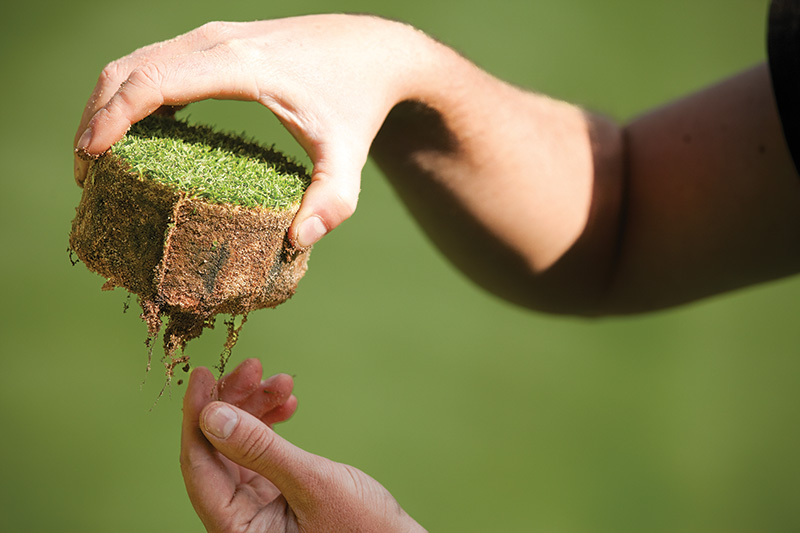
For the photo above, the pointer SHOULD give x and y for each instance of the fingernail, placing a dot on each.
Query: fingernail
(311, 230)
(86, 138)
(220, 421)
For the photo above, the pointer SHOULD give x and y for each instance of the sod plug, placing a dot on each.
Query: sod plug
(194, 222)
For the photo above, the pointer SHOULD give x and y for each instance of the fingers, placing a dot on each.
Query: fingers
(269, 400)
(330, 199)
(207, 479)
(116, 72)
(241, 383)
(281, 413)
(187, 69)
(178, 80)
(333, 118)
(246, 441)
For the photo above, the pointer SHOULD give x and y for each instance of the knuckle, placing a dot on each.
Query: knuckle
(345, 203)
(111, 73)
(104, 115)
(115, 113)
(355, 481)
(255, 446)
(190, 468)
(238, 50)
(185, 462)
(239, 55)
(214, 30)
(334, 199)
(150, 75)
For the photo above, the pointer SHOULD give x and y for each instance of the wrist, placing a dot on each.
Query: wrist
(424, 70)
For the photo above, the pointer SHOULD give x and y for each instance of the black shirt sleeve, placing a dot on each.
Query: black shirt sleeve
(783, 50)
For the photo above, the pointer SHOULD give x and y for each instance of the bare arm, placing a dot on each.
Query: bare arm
(559, 210)
(521, 192)
(536, 200)
(713, 197)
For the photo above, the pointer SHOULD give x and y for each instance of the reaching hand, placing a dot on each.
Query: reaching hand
(242, 477)
(330, 79)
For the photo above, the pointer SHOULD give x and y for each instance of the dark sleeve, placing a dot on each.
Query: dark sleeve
(783, 49)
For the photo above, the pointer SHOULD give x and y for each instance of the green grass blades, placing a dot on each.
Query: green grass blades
(218, 167)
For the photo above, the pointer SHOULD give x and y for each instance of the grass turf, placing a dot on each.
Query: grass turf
(218, 167)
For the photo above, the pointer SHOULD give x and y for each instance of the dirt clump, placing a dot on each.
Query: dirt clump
(187, 258)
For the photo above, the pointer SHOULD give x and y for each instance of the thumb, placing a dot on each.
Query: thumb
(330, 199)
(250, 443)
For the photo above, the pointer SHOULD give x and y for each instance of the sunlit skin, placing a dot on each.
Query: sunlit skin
(253, 480)
(538, 201)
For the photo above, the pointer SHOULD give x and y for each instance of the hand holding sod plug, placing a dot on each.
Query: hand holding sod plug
(241, 476)
(538, 201)
(330, 80)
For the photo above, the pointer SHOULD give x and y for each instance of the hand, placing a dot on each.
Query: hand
(241, 476)
(270, 400)
(330, 79)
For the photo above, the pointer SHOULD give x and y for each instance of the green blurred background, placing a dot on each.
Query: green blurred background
(476, 415)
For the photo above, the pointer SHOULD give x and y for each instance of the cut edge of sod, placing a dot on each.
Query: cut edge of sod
(194, 222)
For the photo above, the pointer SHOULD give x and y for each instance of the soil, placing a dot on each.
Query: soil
(186, 259)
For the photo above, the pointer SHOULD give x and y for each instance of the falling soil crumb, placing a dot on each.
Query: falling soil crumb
(185, 258)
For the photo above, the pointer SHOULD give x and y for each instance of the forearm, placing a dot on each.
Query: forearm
(519, 191)
(536, 200)
(561, 211)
